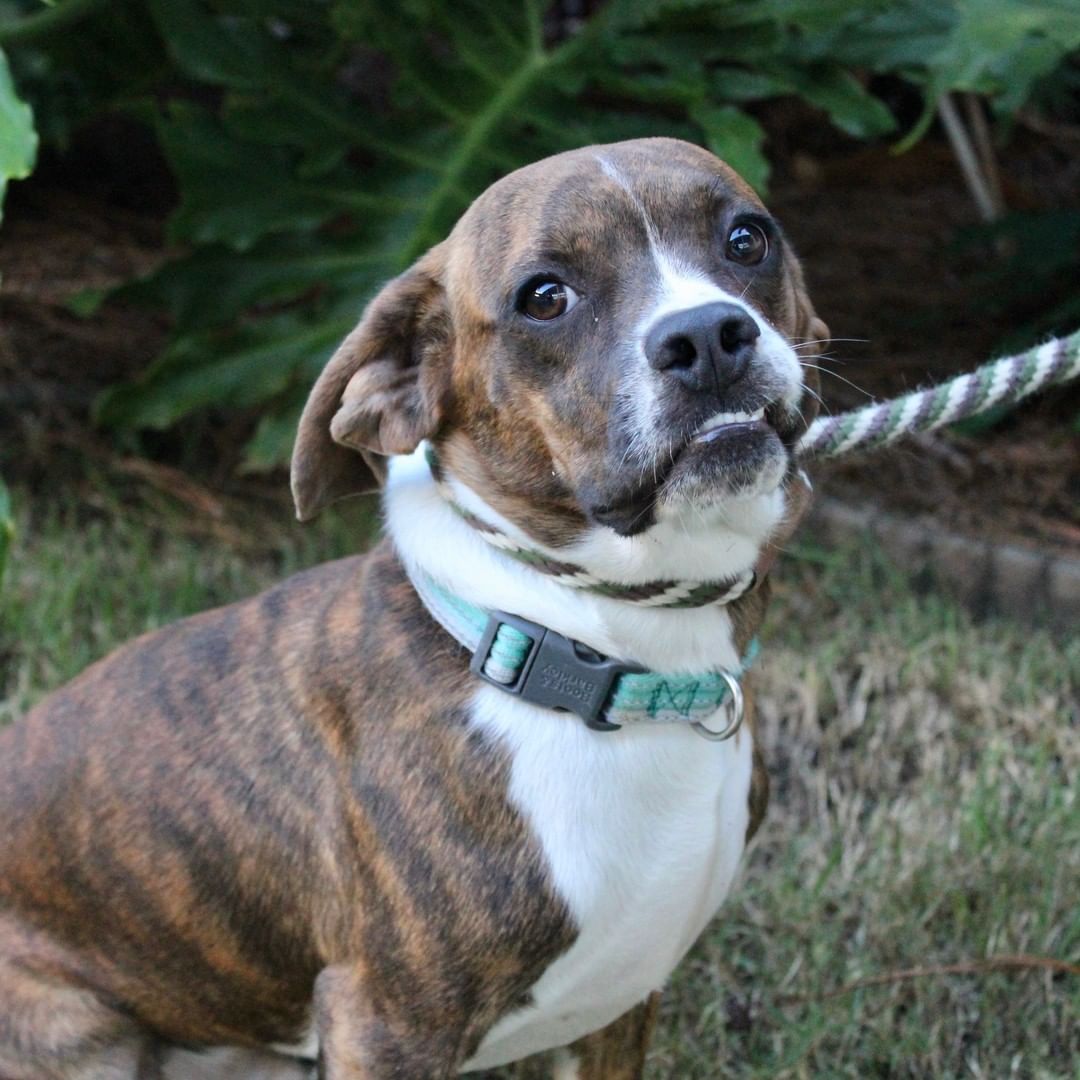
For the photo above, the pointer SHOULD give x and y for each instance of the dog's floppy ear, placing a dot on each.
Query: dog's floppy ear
(810, 336)
(812, 329)
(809, 328)
(381, 393)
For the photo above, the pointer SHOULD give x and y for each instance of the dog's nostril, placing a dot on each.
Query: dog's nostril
(737, 332)
(680, 352)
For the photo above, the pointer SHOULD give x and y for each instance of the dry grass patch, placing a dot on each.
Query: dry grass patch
(923, 816)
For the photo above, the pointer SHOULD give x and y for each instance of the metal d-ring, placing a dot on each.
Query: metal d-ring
(733, 705)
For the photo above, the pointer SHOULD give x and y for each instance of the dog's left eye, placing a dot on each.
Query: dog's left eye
(545, 299)
(747, 244)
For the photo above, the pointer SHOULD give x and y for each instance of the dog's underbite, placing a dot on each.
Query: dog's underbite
(470, 797)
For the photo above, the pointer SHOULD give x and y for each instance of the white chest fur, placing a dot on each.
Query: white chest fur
(643, 830)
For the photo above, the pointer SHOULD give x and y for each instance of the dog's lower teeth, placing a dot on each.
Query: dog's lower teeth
(725, 418)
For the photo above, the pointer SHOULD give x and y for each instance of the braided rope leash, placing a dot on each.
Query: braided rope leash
(1000, 382)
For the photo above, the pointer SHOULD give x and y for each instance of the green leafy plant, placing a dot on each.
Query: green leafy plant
(320, 145)
(319, 196)
(18, 139)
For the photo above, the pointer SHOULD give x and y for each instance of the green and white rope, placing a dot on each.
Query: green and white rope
(1000, 382)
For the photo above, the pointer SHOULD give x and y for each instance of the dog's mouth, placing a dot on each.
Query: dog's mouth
(731, 453)
(721, 455)
(731, 425)
(734, 441)
(773, 418)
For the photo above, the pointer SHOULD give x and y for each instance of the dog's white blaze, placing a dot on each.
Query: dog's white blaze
(684, 286)
(642, 833)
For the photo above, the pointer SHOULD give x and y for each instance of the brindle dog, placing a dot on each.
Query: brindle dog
(288, 829)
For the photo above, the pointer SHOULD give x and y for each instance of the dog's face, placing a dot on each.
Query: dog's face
(604, 339)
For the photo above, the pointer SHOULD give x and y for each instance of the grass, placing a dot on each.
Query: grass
(81, 580)
(924, 814)
(924, 810)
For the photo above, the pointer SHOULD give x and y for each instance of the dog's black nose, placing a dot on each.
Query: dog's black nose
(705, 348)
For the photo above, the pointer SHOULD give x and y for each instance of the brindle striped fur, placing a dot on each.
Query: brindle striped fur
(205, 821)
(281, 802)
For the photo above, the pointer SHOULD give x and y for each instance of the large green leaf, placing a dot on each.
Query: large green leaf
(1001, 47)
(241, 369)
(735, 138)
(233, 51)
(204, 289)
(71, 74)
(18, 139)
(850, 107)
(234, 198)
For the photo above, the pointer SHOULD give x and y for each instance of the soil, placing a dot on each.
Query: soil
(906, 303)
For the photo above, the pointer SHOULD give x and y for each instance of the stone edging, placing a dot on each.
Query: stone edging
(987, 576)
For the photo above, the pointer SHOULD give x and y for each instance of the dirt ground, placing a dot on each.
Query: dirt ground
(877, 232)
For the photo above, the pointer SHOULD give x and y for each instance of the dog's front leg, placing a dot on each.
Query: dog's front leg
(369, 1032)
(616, 1052)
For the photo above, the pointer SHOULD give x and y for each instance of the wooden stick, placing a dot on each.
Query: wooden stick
(966, 158)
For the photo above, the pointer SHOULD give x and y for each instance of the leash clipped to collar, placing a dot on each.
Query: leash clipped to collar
(543, 667)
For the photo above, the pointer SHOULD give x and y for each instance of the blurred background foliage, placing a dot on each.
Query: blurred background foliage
(318, 146)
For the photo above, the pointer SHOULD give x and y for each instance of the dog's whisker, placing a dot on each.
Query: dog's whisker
(826, 341)
(837, 375)
(816, 396)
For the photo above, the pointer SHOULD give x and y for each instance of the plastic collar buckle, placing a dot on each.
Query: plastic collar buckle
(558, 673)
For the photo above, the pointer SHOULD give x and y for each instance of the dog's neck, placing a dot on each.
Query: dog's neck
(432, 538)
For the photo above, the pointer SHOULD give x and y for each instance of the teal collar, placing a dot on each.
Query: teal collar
(546, 668)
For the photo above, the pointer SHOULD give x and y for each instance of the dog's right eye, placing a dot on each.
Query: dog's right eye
(747, 244)
(544, 299)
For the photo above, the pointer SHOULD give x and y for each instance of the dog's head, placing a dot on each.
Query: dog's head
(605, 338)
